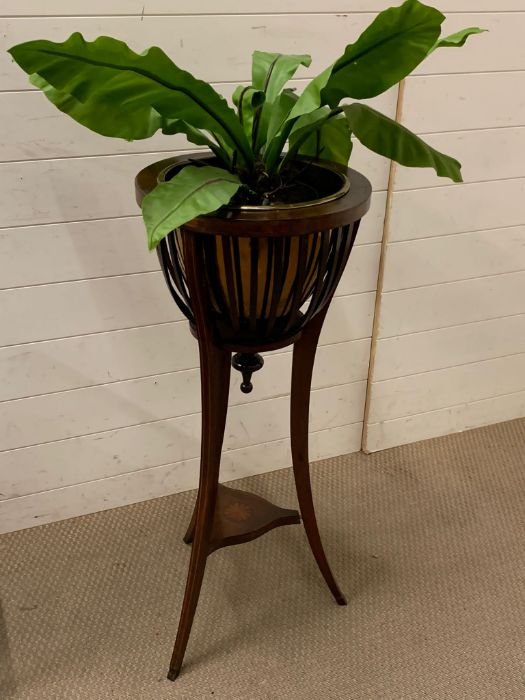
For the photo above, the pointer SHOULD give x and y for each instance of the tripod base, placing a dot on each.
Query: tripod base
(241, 516)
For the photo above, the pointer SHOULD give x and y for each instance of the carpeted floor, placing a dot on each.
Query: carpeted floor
(427, 540)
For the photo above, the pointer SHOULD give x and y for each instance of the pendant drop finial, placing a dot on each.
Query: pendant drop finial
(247, 363)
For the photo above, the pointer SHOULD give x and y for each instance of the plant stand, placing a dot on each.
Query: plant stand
(231, 277)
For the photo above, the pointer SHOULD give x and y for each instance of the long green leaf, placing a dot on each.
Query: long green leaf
(192, 192)
(178, 126)
(137, 125)
(247, 100)
(330, 142)
(388, 50)
(108, 71)
(388, 138)
(103, 117)
(457, 39)
(271, 71)
(276, 135)
(303, 128)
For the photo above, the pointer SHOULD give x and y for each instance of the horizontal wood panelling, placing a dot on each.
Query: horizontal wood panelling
(71, 363)
(125, 7)
(91, 306)
(486, 154)
(450, 353)
(115, 247)
(420, 393)
(105, 304)
(445, 347)
(52, 253)
(187, 40)
(72, 413)
(55, 191)
(452, 258)
(107, 247)
(31, 127)
(452, 419)
(464, 101)
(427, 308)
(498, 49)
(119, 451)
(31, 255)
(82, 361)
(441, 211)
(143, 484)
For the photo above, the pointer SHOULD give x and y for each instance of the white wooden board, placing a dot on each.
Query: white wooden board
(135, 486)
(485, 154)
(439, 306)
(441, 211)
(453, 258)
(452, 419)
(66, 414)
(103, 454)
(429, 391)
(447, 347)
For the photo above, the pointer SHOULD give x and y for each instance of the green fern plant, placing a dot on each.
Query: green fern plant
(258, 143)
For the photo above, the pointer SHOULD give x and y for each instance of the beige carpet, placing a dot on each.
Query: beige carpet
(427, 541)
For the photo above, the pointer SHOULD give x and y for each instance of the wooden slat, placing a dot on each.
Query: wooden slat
(427, 308)
(105, 454)
(421, 393)
(446, 347)
(211, 56)
(94, 306)
(31, 255)
(143, 484)
(442, 211)
(32, 128)
(453, 258)
(459, 102)
(188, 41)
(498, 49)
(62, 252)
(93, 409)
(181, 7)
(452, 419)
(125, 7)
(55, 191)
(486, 154)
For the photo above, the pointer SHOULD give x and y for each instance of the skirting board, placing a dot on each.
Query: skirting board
(145, 484)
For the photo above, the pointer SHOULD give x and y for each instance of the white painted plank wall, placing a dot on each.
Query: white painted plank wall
(99, 400)
(450, 351)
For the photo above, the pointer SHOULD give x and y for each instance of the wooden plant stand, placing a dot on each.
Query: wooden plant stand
(252, 281)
